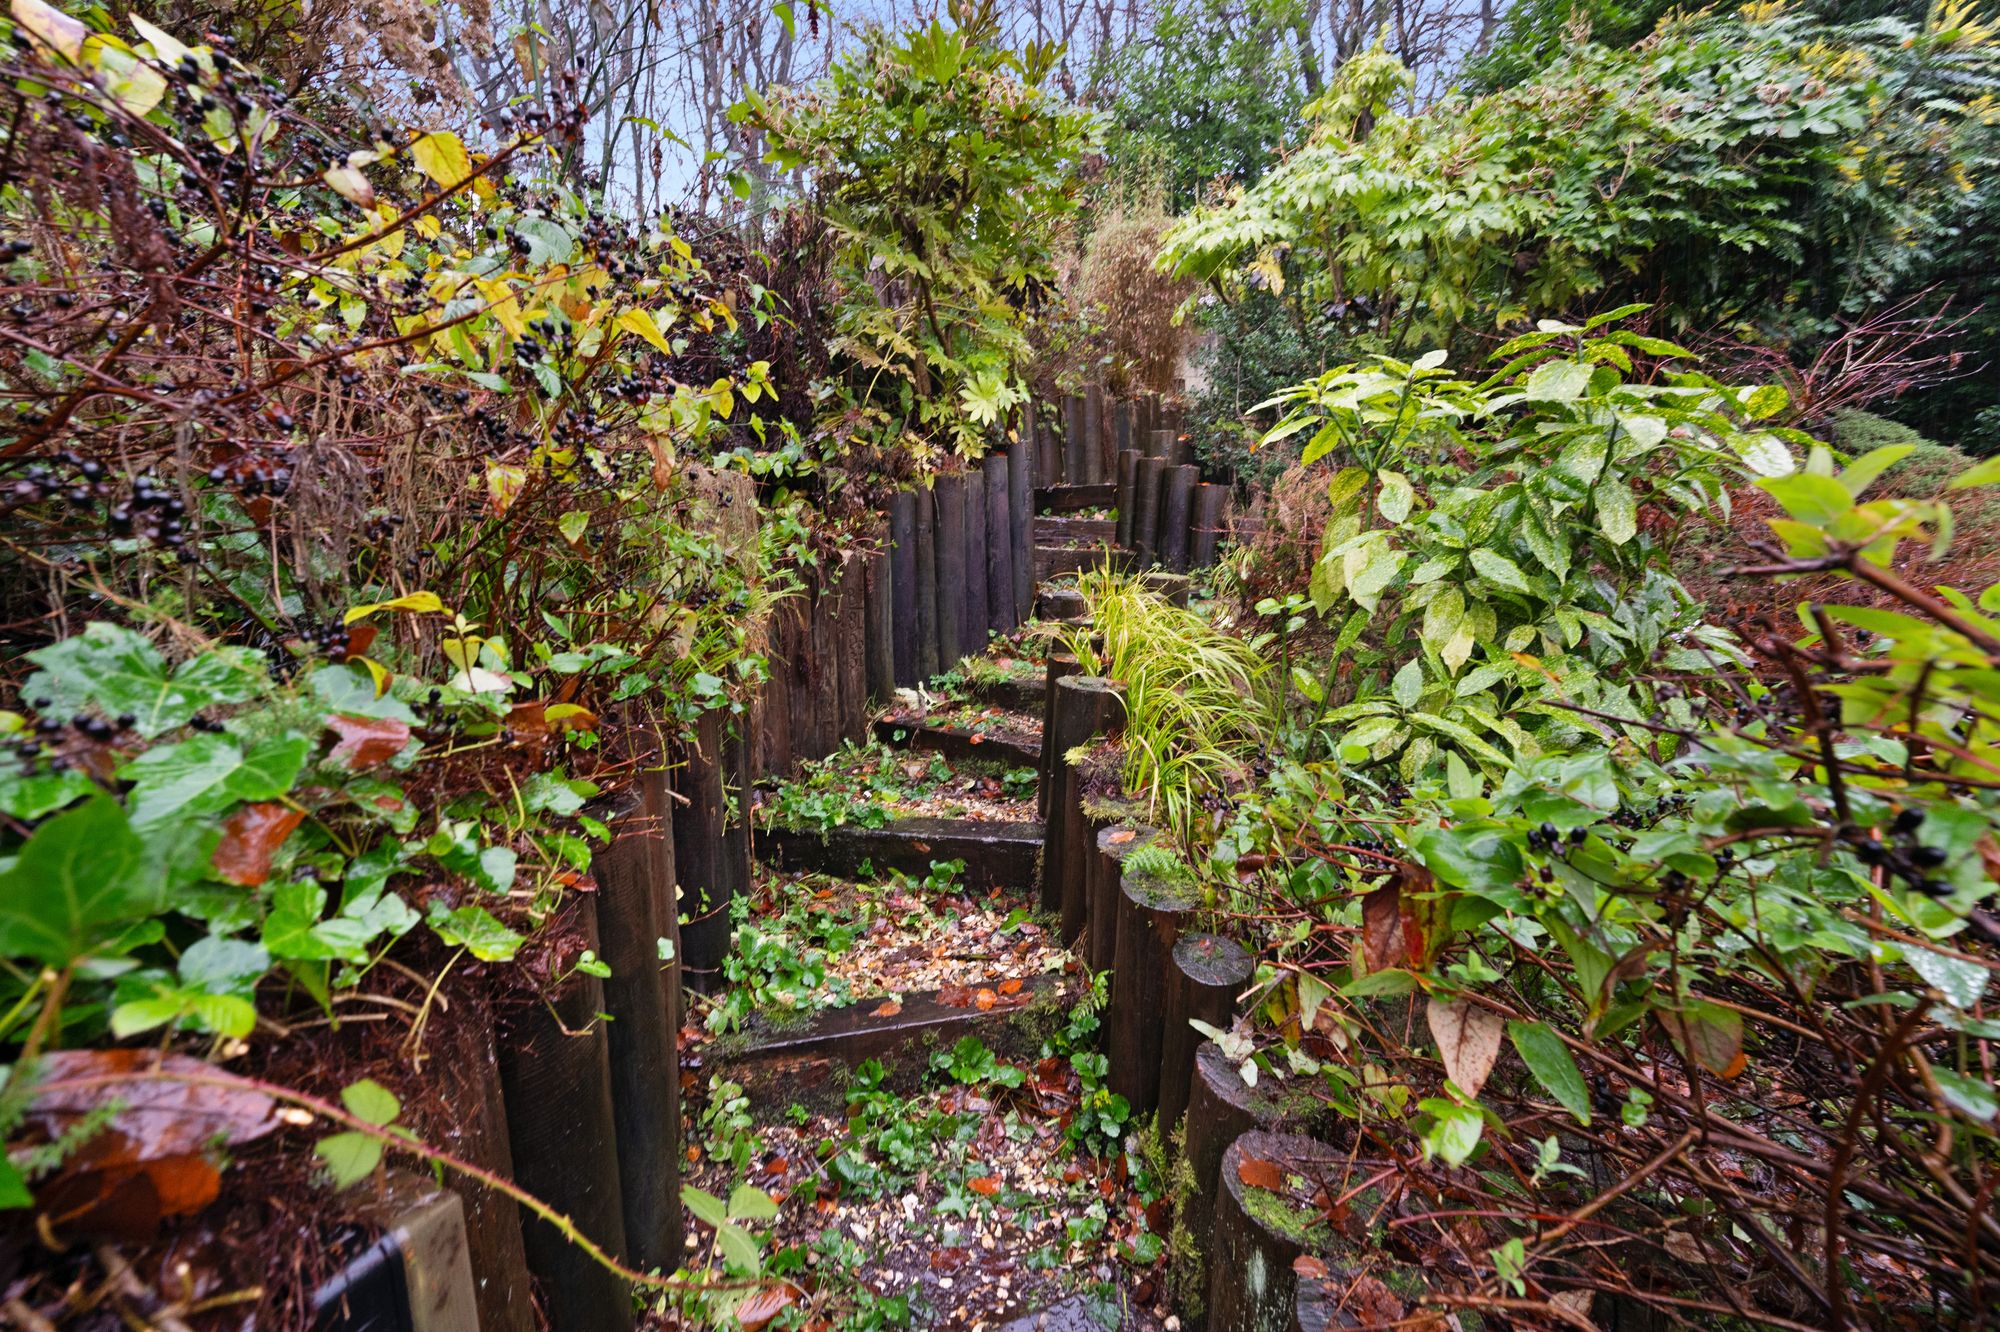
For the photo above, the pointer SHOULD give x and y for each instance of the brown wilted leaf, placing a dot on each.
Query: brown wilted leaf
(888, 1008)
(764, 1305)
(1382, 929)
(1468, 1038)
(366, 741)
(1260, 1174)
(1309, 1267)
(153, 1158)
(249, 838)
(955, 996)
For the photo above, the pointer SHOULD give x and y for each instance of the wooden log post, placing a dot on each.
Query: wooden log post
(820, 735)
(927, 610)
(950, 494)
(1115, 841)
(1159, 443)
(1086, 707)
(1122, 418)
(466, 1069)
(1146, 510)
(1059, 666)
(701, 862)
(903, 586)
(1093, 435)
(1210, 501)
(1258, 1234)
(1208, 974)
(1073, 464)
(774, 700)
(1128, 485)
(634, 883)
(850, 611)
(1000, 614)
(1176, 508)
(564, 1137)
(1152, 912)
(1020, 526)
(978, 615)
(878, 594)
(1220, 1109)
(1048, 452)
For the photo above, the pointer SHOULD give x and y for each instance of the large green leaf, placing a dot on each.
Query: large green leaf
(81, 876)
(205, 774)
(1550, 1061)
(1497, 568)
(122, 673)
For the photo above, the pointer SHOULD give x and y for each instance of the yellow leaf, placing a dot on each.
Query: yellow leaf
(136, 86)
(441, 155)
(379, 674)
(166, 46)
(417, 603)
(641, 323)
(504, 484)
(428, 226)
(504, 307)
(52, 28)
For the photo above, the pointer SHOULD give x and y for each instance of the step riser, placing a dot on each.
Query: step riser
(996, 855)
(959, 746)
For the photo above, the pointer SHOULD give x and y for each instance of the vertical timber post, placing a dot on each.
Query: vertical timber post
(927, 611)
(1086, 706)
(903, 585)
(978, 617)
(950, 494)
(1001, 618)
(1175, 506)
(1151, 914)
(1021, 520)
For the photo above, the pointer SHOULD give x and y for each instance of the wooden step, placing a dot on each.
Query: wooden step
(1058, 530)
(958, 746)
(1022, 694)
(808, 1060)
(996, 854)
(1055, 561)
(1068, 499)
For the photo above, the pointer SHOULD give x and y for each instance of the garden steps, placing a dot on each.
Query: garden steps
(1059, 530)
(1069, 499)
(957, 744)
(1055, 561)
(807, 1059)
(997, 854)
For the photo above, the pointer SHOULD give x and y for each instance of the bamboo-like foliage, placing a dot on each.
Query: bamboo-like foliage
(1193, 722)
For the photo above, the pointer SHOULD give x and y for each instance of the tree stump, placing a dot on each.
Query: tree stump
(1258, 1232)
(1208, 974)
(1085, 707)
(1101, 887)
(1151, 914)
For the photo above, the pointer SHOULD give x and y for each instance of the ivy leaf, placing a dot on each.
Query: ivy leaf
(474, 929)
(121, 672)
(79, 876)
(1553, 1066)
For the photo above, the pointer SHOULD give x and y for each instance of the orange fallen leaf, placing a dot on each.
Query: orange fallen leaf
(1010, 987)
(888, 1008)
(1120, 836)
(985, 1000)
(249, 837)
(1261, 1174)
(1308, 1266)
(765, 1305)
(366, 741)
(985, 1186)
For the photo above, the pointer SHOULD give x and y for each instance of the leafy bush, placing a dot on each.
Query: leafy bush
(944, 167)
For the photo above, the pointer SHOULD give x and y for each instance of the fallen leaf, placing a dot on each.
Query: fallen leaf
(985, 1186)
(153, 1158)
(366, 741)
(1261, 1174)
(1010, 986)
(764, 1305)
(1309, 1267)
(1382, 928)
(985, 1000)
(1120, 836)
(888, 1008)
(249, 838)
(1468, 1038)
